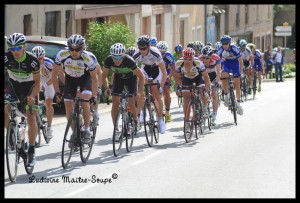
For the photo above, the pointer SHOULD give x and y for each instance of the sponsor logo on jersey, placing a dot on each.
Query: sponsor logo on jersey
(64, 53)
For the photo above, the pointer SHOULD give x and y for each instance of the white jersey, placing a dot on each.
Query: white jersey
(196, 69)
(46, 70)
(153, 57)
(75, 68)
(246, 54)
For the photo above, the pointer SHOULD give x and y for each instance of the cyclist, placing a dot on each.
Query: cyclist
(192, 70)
(212, 63)
(232, 60)
(170, 68)
(153, 66)
(248, 62)
(258, 63)
(47, 84)
(80, 70)
(23, 83)
(197, 47)
(178, 52)
(218, 45)
(130, 51)
(153, 41)
(126, 73)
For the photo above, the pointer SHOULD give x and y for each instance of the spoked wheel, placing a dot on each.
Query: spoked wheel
(118, 133)
(189, 123)
(254, 86)
(130, 132)
(233, 107)
(28, 169)
(69, 142)
(179, 99)
(11, 151)
(154, 117)
(39, 136)
(149, 124)
(86, 149)
(44, 131)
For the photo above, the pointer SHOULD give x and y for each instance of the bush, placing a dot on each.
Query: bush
(290, 66)
(100, 37)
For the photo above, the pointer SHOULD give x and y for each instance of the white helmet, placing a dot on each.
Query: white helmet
(117, 49)
(207, 50)
(162, 46)
(38, 51)
(76, 40)
(16, 39)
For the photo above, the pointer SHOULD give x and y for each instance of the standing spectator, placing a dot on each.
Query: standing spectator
(268, 61)
(278, 61)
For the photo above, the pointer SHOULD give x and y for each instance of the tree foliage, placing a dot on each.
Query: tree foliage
(100, 37)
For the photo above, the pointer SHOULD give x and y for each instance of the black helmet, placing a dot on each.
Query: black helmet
(143, 40)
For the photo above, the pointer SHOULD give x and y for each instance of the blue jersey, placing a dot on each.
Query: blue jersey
(169, 61)
(257, 57)
(230, 59)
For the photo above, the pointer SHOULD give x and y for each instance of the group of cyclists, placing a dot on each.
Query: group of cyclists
(203, 65)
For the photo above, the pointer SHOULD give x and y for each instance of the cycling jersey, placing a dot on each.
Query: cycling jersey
(230, 59)
(124, 70)
(246, 55)
(196, 69)
(21, 70)
(211, 64)
(46, 70)
(169, 61)
(257, 57)
(92, 56)
(75, 68)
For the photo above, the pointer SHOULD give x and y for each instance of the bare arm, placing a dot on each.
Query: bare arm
(140, 76)
(104, 80)
(94, 82)
(99, 74)
(207, 80)
(162, 67)
(36, 86)
(56, 69)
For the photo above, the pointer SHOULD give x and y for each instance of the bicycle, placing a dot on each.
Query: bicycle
(123, 126)
(232, 101)
(41, 124)
(72, 140)
(254, 85)
(207, 117)
(244, 88)
(16, 141)
(192, 115)
(150, 113)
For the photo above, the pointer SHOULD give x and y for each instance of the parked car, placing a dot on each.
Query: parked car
(52, 46)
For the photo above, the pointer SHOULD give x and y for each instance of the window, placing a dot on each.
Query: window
(52, 24)
(181, 32)
(246, 14)
(158, 27)
(238, 16)
(68, 23)
(27, 24)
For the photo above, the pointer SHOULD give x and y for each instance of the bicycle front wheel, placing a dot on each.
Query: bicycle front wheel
(179, 99)
(233, 106)
(118, 133)
(254, 86)
(69, 142)
(130, 132)
(11, 151)
(189, 122)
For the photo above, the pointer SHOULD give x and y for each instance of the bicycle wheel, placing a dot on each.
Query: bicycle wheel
(118, 133)
(254, 85)
(179, 99)
(130, 132)
(44, 131)
(208, 117)
(154, 114)
(28, 169)
(148, 124)
(39, 128)
(189, 122)
(245, 92)
(69, 141)
(11, 151)
(233, 106)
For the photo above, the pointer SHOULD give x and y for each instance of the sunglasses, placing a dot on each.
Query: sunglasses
(76, 49)
(117, 58)
(188, 59)
(225, 43)
(143, 48)
(16, 48)
(206, 58)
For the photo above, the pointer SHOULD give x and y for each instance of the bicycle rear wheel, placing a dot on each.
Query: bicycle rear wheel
(149, 124)
(189, 122)
(69, 141)
(118, 133)
(11, 151)
(28, 169)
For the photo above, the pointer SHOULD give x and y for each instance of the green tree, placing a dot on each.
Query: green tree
(100, 37)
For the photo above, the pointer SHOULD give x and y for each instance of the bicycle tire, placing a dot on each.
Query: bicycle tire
(179, 99)
(38, 137)
(130, 132)
(254, 85)
(86, 149)
(189, 122)
(208, 118)
(28, 169)
(69, 142)
(148, 124)
(117, 134)
(155, 119)
(11, 151)
(44, 131)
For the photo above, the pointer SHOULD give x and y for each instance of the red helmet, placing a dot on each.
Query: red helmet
(188, 53)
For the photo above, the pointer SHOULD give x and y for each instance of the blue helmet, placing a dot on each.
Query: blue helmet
(243, 43)
(178, 48)
(225, 39)
(153, 41)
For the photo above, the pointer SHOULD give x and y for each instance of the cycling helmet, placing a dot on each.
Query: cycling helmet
(198, 46)
(208, 43)
(190, 44)
(38, 51)
(189, 53)
(243, 43)
(162, 46)
(207, 50)
(178, 48)
(143, 40)
(225, 39)
(153, 41)
(16, 39)
(218, 45)
(76, 40)
(117, 49)
(251, 46)
(130, 51)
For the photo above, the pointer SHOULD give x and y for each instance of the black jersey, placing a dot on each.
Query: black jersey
(124, 70)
